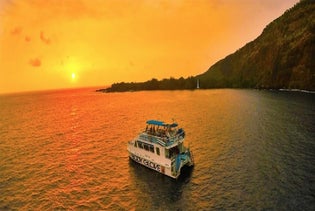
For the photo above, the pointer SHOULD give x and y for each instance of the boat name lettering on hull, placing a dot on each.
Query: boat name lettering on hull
(146, 162)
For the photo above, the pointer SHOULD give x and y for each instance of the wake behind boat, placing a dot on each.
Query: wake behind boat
(161, 147)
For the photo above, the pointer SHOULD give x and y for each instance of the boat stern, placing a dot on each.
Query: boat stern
(182, 159)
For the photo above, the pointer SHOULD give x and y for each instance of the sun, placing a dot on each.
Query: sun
(73, 76)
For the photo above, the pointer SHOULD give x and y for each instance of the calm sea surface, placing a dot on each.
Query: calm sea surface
(253, 150)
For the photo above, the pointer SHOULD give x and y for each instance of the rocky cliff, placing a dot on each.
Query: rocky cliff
(283, 56)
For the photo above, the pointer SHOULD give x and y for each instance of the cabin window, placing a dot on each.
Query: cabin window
(146, 147)
(157, 151)
(167, 153)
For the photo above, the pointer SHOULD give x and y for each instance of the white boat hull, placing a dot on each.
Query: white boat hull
(147, 163)
(165, 169)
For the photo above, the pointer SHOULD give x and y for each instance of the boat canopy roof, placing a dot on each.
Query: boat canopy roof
(160, 123)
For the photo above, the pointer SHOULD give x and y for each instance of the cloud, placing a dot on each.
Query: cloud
(27, 38)
(43, 38)
(35, 62)
(16, 31)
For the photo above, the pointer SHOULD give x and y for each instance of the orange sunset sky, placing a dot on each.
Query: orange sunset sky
(76, 43)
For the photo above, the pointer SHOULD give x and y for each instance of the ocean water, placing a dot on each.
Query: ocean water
(253, 150)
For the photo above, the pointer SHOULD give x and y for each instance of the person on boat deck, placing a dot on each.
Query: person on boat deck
(161, 132)
(151, 130)
(167, 132)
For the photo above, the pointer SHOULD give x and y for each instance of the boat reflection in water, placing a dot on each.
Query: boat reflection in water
(161, 147)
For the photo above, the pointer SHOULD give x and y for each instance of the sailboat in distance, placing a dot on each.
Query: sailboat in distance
(198, 84)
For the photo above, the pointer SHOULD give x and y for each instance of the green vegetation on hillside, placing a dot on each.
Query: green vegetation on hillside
(154, 84)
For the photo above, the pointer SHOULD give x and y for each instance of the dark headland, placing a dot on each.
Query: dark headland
(282, 57)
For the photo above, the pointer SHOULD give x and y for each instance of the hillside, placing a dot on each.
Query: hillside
(283, 56)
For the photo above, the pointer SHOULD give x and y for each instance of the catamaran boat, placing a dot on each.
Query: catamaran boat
(161, 147)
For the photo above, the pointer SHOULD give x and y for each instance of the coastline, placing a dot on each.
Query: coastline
(106, 90)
